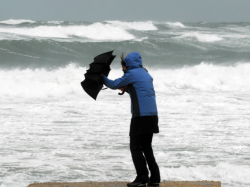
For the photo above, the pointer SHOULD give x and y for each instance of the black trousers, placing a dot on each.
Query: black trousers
(140, 144)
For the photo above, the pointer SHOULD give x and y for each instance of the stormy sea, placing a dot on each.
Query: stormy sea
(51, 130)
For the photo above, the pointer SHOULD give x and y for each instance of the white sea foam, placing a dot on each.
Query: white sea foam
(176, 24)
(66, 81)
(96, 31)
(42, 83)
(60, 129)
(202, 37)
(236, 36)
(17, 21)
(206, 77)
(239, 29)
(224, 172)
(142, 26)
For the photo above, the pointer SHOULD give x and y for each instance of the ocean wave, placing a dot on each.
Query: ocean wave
(141, 26)
(176, 24)
(96, 31)
(202, 37)
(66, 80)
(205, 77)
(55, 22)
(16, 21)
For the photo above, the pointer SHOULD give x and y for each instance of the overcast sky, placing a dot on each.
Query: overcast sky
(127, 10)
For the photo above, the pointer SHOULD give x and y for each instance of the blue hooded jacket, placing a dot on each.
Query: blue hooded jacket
(139, 86)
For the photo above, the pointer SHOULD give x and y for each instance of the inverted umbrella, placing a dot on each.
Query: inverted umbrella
(101, 65)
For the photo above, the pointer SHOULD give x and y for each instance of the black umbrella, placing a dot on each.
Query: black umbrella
(101, 65)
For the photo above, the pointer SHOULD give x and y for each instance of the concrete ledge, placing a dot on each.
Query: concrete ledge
(124, 184)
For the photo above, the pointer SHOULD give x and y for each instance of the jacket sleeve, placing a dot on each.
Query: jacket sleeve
(117, 83)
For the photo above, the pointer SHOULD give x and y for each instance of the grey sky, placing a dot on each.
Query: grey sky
(127, 10)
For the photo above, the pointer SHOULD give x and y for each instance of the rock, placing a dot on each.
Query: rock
(124, 184)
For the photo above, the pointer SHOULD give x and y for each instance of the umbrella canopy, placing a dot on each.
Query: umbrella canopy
(101, 65)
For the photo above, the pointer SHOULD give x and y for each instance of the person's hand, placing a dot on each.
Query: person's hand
(123, 89)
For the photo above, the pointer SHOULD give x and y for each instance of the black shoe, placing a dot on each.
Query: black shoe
(152, 184)
(135, 184)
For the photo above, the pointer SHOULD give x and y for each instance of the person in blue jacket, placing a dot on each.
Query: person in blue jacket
(138, 83)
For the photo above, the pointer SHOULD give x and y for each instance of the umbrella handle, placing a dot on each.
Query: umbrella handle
(122, 93)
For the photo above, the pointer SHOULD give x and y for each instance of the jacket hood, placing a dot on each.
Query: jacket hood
(133, 60)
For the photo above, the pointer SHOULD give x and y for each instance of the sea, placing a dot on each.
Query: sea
(52, 131)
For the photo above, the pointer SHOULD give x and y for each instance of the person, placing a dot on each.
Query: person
(138, 83)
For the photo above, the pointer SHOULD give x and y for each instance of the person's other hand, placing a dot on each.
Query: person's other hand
(99, 78)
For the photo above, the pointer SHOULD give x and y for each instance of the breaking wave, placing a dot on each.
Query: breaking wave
(16, 21)
(97, 31)
(55, 22)
(66, 80)
(141, 26)
(202, 37)
(176, 24)
(205, 77)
